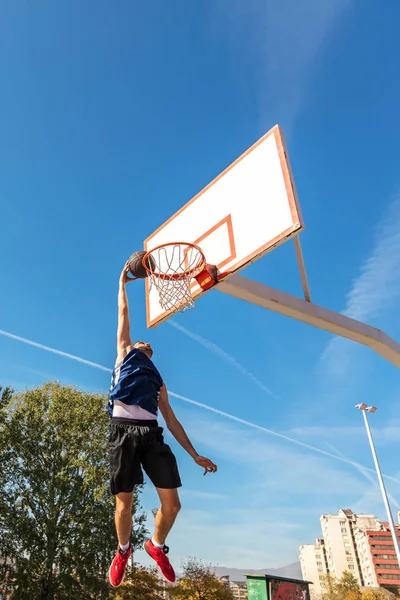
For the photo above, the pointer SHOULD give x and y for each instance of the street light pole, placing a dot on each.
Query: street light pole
(364, 409)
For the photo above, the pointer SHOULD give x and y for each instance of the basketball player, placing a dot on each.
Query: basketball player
(137, 392)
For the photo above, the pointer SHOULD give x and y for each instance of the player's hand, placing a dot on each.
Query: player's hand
(124, 277)
(206, 463)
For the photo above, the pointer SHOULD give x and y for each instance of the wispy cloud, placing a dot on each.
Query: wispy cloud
(368, 475)
(277, 42)
(194, 403)
(201, 495)
(375, 290)
(216, 540)
(371, 501)
(221, 354)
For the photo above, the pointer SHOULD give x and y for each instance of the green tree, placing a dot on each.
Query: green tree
(200, 583)
(346, 588)
(56, 511)
(140, 584)
(330, 584)
(5, 545)
(348, 583)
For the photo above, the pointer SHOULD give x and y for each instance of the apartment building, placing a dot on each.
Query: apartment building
(238, 588)
(357, 543)
(339, 535)
(314, 566)
(378, 557)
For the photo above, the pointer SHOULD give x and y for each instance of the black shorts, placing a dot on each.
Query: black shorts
(137, 444)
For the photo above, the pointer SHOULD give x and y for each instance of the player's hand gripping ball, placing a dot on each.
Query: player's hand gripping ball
(136, 267)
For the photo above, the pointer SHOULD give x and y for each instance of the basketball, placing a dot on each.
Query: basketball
(136, 267)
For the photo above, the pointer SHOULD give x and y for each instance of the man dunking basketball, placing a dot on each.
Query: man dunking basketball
(137, 392)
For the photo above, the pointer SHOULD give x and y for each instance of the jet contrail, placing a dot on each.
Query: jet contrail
(276, 434)
(222, 354)
(199, 404)
(54, 351)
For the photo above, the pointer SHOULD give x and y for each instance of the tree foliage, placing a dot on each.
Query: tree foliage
(374, 594)
(56, 512)
(347, 588)
(140, 584)
(200, 583)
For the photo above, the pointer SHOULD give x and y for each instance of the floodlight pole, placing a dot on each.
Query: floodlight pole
(364, 409)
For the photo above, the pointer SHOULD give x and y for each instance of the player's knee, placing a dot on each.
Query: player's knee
(123, 509)
(123, 506)
(172, 508)
(177, 507)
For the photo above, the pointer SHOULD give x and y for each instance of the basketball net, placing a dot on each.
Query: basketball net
(171, 269)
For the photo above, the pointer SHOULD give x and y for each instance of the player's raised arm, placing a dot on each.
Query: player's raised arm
(124, 342)
(179, 433)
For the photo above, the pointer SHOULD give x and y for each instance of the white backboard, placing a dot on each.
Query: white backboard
(247, 210)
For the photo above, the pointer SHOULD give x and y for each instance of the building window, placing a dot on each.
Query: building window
(343, 530)
(351, 567)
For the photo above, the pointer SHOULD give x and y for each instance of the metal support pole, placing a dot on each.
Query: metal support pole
(382, 486)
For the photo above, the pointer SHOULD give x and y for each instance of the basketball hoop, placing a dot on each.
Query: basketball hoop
(171, 268)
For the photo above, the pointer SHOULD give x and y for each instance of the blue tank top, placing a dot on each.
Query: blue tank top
(135, 380)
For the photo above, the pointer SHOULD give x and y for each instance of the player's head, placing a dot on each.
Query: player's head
(144, 347)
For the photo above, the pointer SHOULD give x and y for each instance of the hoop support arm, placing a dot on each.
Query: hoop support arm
(312, 314)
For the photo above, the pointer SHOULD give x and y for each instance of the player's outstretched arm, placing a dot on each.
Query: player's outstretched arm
(179, 433)
(124, 342)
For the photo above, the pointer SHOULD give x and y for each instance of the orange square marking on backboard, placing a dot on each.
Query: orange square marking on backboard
(231, 238)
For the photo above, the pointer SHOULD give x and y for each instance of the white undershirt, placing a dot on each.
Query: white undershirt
(131, 411)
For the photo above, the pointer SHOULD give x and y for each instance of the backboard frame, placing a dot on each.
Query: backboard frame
(297, 224)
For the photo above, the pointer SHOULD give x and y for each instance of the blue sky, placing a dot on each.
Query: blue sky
(111, 118)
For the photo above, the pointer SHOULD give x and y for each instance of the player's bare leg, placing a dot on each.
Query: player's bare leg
(123, 516)
(165, 518)
(166, 515)
(123, 525)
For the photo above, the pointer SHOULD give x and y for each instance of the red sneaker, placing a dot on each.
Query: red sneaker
(159, 555)
(118, 566)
